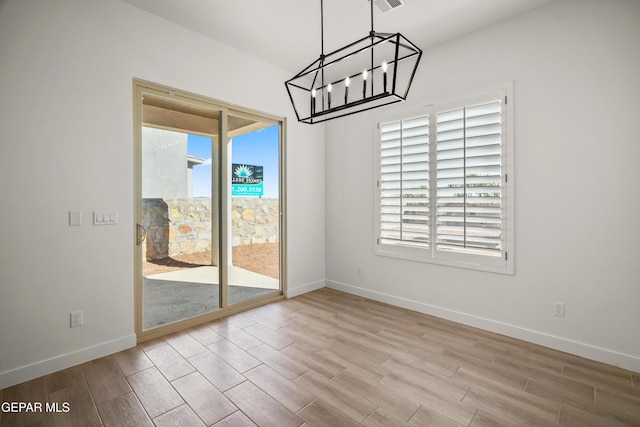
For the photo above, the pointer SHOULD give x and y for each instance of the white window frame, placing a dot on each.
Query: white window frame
(504, 263)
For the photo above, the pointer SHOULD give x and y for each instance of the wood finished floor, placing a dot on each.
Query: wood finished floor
(332, 359)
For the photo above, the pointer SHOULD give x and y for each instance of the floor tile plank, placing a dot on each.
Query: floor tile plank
(590, 416)
(205, 335)
(393, 403)
(169, 362)
(342, 355)
(485, 420)
(186, 345)
(260, 407)
(301, 332)
(487, 375)
(205, 400)
(601, 378)
(269, 336)
(314, 360)
(546, 374)
(240, 320)
(510, 408)
(237, 358)
(216, 370)
(182, 416)
(619, 402)
(354, 406)
(132, 360)
(29, 392)
(416, 374)
(557, 393)
(237, 419)
(279, 361)
(124, 411)
(319, 414)
(459, 411)
(154, 392)
(271, 316)
(105, 379)
(82, 410)
(428, 417)
(239, 337)
(64, 378)
(380, 418)
(285, 391)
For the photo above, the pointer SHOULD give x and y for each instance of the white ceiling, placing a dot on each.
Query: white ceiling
(287, 32)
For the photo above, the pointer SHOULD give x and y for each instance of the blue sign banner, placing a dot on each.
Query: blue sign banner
(247, 180)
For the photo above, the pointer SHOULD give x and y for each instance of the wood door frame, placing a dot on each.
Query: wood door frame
(224, 186)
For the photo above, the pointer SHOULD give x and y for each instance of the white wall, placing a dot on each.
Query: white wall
(575, 67)
(66, 143)
(164, 156)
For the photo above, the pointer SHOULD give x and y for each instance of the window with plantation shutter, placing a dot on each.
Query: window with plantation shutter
(443, 188)
(404, 182)
(469, 174)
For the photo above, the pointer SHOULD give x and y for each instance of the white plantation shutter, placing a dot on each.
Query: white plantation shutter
(442, 183)
(469, 209)
(404, 182)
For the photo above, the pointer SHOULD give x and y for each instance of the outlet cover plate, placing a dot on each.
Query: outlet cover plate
(558, 309)
(76, 318)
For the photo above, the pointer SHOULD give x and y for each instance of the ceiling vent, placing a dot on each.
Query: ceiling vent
(387, 5)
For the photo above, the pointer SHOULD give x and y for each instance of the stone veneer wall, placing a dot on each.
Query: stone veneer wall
(183, 226)
(254, 220)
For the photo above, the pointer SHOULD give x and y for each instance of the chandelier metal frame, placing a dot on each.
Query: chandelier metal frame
(384, 65)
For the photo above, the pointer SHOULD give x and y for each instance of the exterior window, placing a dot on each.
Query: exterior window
(443, 183)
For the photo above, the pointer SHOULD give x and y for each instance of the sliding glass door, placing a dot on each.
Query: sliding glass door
(209, 215)
(254, 208)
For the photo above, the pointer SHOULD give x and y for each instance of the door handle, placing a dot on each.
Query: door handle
(141, 233)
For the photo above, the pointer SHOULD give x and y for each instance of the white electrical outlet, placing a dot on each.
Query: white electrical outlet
(558, 309)
(76, 318)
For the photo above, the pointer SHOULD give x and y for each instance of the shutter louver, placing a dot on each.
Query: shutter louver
(469, 190)
(404, 182)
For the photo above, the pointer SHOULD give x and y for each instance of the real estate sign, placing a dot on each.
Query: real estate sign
(246, 180)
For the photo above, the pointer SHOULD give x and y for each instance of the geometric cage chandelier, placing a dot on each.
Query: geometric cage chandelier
(373, 71)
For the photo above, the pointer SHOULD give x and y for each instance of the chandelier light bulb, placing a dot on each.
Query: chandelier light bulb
(364, 83)
(384, 76)
(346, 89)
(313, 101)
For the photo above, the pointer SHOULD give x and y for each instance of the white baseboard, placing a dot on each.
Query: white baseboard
(611, 357)
(304, 288)
(63, 361)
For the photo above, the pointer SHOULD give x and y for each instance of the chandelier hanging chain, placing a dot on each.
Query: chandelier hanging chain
(372, 35)
(371, 3)
(321, 29)
(322, 46)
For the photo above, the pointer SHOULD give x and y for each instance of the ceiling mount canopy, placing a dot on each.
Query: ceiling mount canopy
(373, 71)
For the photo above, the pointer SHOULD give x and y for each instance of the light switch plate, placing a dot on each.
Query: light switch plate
(75, 218)
(105, 217)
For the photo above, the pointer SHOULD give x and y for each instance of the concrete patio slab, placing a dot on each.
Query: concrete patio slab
(210, 274)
